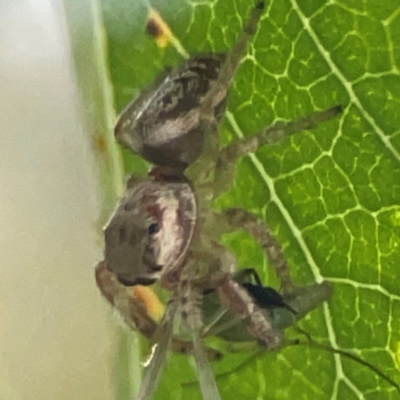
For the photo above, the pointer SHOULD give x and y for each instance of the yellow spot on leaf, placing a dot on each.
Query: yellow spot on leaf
(160, 30)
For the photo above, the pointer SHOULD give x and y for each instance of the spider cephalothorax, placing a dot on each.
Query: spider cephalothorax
(151, 228)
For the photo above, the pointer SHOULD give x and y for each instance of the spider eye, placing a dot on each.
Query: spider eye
(154, 228)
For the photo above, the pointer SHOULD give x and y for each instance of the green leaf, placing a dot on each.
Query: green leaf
(331, 195)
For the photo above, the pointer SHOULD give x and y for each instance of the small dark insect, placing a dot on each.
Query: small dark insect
(164, 229)
(264, 296)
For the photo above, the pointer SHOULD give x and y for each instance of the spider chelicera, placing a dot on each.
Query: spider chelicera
(164, 230)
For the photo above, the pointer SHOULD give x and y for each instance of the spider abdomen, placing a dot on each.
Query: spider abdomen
(164, 126)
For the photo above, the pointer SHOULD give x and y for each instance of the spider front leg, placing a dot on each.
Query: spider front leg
(242, 305)
(190, 296)
(281, 311)
(156, 366)
(228, 304)
(216, 95)
(238, 218)
(135, 310)
(228, 157)
(231, 63)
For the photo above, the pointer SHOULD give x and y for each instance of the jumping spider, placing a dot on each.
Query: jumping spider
(165, 230)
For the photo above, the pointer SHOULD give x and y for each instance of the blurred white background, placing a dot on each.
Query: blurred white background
(55, 331)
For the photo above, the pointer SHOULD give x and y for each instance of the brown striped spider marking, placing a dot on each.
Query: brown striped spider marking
(164, 230)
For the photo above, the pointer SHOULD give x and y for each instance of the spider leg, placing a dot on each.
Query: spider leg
(304, 299)
(238, 302)
(279, 131)
(190, 299)
(156, 365)
(186, 347)
(239, 218)
(241, 304)
(218, 91)
(244, 273)
(136, 315)
(208, 385)
(228, 156)
(133, 312)
(232, 61)
(214, 326)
